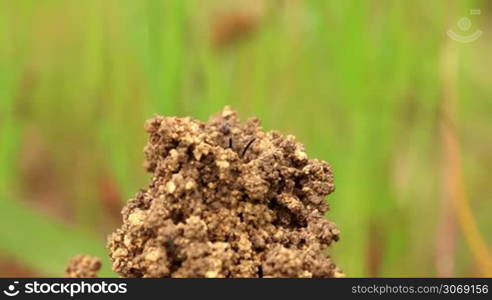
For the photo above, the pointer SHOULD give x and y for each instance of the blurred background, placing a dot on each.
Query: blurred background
(382, 90)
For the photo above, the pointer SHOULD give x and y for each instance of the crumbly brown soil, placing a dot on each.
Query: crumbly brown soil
(83, 266)
(226, 200)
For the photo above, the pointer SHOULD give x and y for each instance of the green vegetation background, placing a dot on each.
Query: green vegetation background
(376, 88)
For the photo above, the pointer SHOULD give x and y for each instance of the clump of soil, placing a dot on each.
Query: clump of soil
(83, 266)
(226, 200)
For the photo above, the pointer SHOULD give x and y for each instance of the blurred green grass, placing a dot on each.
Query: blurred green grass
(358, 82)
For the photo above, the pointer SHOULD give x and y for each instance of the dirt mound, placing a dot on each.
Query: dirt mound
(226, 200)
(83, 266)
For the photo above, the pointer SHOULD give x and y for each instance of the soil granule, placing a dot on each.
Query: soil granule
(226, 200)
(83, 266)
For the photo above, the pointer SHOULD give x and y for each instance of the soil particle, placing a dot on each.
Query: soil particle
(226, 200)
(83, 266)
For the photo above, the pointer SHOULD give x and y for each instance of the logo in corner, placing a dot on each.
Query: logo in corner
(464, 24)
(11, 291)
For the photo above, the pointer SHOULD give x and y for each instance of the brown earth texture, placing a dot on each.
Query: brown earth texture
(226, 199)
